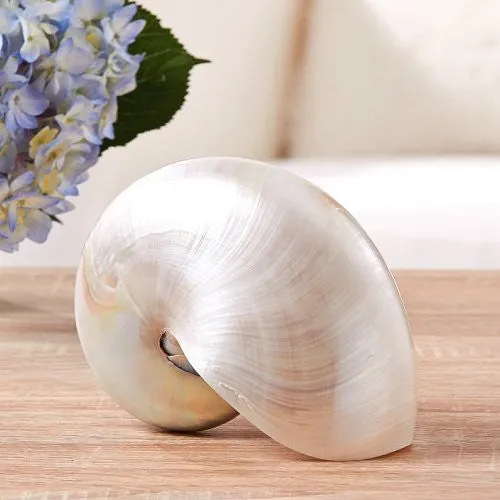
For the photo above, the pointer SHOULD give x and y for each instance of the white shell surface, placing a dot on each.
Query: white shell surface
(277, 297)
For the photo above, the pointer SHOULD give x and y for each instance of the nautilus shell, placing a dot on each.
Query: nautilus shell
(219, 286)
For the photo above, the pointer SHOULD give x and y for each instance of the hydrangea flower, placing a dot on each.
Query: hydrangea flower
(63, 64)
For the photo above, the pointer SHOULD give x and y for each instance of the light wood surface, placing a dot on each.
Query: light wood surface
(62, 437)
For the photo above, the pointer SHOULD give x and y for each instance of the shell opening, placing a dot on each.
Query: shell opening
(171, 348)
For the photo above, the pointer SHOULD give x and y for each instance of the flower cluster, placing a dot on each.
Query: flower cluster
(63, 63)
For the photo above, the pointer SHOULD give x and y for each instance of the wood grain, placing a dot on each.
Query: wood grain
(61, 436)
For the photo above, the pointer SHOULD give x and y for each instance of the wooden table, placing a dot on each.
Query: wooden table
(60, 434)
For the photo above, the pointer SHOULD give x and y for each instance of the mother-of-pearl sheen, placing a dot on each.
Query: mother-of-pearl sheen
(276, 296)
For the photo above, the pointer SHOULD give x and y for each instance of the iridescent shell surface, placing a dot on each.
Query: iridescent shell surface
(278, 305)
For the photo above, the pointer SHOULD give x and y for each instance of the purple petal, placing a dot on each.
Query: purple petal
(38, 225)
(12, 216)
(90, 133)
(41, 201)
(18, 235)
(8, 155)
(22, 195)
(7, 246)
(69, 191)
(82, 178)
(65, 206)
(4, 189)
(62, 207)
(22, 181)
(10, 121)
(11, 65)
(4, 134)
(24, 120)
(40, 82)
(32, 101)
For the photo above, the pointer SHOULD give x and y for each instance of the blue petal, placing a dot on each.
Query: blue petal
(130, 33)
(108, 131)
(69, 191)
(38, 225)
(22, 181)
(123, 16)
(11, 65)
(73, 59)
(61, 10)
(80, 61)
(125, 85)
(8, 21)
(94, 88)
(89, 9)
(59, 88)
(114, 5)
(107, 30)
(32, 101)
(30, 51)
(48, 28)
(97, 66)
(65, 49)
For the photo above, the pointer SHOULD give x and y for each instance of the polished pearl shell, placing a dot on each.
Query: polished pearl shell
(277, 297)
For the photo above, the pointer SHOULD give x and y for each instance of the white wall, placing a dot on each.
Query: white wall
(430, 212)
(393, 76)
(230, 110)
(381, 77)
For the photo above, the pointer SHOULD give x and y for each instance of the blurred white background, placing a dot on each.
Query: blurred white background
(396, 114)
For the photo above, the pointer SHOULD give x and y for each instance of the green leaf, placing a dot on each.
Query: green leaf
(162, 82)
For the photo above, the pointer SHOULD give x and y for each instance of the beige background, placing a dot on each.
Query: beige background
(390, 76)
(380, 78)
